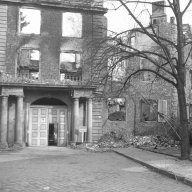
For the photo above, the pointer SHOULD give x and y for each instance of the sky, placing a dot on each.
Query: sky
(119, 20)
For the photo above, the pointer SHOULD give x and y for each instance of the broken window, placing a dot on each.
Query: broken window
(28, 63)
(70, 61)
(70, 64)
(72, 24)
(116, 109)
(153, 110)
(149, 110)
(30, 21)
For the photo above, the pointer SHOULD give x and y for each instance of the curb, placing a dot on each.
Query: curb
(159, 152)
(158, 170)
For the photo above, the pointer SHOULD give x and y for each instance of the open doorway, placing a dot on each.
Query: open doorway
(52, 138)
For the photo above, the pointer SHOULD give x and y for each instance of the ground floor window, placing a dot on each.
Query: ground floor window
(149, 110)
(153, 110)
(116, 109)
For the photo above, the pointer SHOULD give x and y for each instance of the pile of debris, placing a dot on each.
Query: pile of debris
(154, 141)
(114, 139)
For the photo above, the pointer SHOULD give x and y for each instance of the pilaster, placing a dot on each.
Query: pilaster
(4, 121)
(89, 120)
(75, 119)
(19, 121)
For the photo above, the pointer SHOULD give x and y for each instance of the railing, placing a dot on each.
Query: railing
(67, 79)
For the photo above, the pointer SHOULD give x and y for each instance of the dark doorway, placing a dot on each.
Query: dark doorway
(52, 140)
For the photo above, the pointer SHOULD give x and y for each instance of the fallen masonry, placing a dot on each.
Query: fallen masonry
(114, 140)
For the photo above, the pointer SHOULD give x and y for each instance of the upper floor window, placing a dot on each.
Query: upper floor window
(70, 61)
(29, 21)
(28, 63)
(72, 24)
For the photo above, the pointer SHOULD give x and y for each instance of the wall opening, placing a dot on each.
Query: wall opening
(52, 134)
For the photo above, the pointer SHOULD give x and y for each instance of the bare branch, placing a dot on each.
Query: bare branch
(187, 6)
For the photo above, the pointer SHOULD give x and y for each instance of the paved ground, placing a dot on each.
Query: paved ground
(65, 170)
(172, 151)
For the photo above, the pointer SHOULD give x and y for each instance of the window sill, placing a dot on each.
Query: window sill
(28, 35)
(67, 37)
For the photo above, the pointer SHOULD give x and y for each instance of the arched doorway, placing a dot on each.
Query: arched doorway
(48, 123)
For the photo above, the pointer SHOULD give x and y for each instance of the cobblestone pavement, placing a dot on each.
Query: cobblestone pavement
(66, 170)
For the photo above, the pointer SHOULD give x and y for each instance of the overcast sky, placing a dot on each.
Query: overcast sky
(119, 20)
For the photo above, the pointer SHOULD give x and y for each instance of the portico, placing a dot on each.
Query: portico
(76, 117)
(5, 123)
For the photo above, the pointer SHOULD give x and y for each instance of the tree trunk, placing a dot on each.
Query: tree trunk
(185, 145)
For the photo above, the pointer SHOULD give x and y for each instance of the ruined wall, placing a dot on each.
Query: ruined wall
(50, 41)
(127, 125)
(156, 91)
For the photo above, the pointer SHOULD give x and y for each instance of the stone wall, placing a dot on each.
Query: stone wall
(97, 119)
(3, 30)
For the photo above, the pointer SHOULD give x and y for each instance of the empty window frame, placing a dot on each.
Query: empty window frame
(29, 21)
(153, 110)
(116, 109)
(28, 63)
(149, 109)
(70, 61)
(72, 25)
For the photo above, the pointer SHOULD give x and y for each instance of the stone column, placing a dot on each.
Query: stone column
(75, 119)
(19, 121)
(26, 124)
(89, 120)
(4, 115)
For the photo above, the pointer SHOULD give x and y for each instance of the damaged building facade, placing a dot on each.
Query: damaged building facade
(147, 97)
(44, 62)
(47, 96)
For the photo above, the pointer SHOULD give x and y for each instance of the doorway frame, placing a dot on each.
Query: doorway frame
(66, 130)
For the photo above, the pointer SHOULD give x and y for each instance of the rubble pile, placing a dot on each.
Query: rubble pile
(117, 140)
(154, 141)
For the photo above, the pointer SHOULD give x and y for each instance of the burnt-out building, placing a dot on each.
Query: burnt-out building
(45, 48)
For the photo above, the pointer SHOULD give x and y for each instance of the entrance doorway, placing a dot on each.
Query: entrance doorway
(48, 126)
(52, 135)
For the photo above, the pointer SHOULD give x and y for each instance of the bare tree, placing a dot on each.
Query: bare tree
(169, 55)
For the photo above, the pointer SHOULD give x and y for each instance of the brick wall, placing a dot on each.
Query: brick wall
(50, 42)
(12, 39)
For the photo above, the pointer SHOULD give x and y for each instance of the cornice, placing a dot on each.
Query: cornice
(57, 4)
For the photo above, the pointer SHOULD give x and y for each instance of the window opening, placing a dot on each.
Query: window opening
(116, 109)
(69, 64)
(149, 110)
(28, 63)
(72, 24)
(30, 21)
